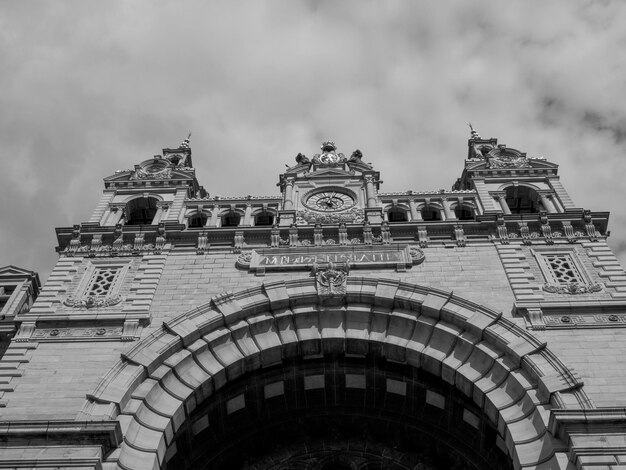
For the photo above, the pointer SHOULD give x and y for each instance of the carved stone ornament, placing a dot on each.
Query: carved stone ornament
(77, 333)
(331, 278)
(92, 301)
(243, 260)
(417, 255)
(351, 216)
(104, 251)
(329, 156)
(507, 162)
(572, 288)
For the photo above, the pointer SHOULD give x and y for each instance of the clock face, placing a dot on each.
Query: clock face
(329, 200)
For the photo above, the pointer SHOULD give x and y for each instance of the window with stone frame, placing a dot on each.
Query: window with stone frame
(102, 280)
(100, 285)
(561, 267)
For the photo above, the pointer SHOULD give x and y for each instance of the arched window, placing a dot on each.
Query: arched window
(397, 215)
(430, 213)
(264, 218)
(522, 200)
(141, 211)
(463, 212)
(198, 220)
(231, 219)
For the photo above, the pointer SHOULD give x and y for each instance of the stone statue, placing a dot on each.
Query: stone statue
(302, 159)
(356, 156)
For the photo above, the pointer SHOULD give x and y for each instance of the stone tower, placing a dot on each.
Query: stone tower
(332, 325)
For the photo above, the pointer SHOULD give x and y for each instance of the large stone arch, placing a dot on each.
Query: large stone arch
(508, 373)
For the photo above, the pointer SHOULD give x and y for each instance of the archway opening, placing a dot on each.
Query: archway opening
(522, 200)
(336, 411)
(397, 215)
(198, 220)
(430, 213)
(231, 219)
(141, 211)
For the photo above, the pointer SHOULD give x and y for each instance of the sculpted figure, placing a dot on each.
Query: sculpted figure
(302, 159)
(356, 156)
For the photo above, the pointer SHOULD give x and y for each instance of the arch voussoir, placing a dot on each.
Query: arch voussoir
(505, 371)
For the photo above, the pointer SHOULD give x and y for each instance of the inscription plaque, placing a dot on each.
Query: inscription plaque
(398, 257)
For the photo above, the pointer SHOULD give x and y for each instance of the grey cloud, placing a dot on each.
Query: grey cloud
(90, 87)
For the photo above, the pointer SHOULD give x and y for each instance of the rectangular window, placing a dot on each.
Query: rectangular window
(102, 280)
(562, 269)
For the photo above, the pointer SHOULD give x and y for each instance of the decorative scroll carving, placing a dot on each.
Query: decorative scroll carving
(422, 236)
(459, 236)
(92, 301)
(238, 242)
(592, 233)
(502, 231)
(275, 237)
(160, 239)
(293, 235)
(569, 232)
(318, 235)
(546, 230)
(572, 288)
(203, 243)
(367, 234)
(385, 233)
(525, 233)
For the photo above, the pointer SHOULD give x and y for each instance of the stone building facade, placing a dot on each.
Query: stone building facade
(332, 325)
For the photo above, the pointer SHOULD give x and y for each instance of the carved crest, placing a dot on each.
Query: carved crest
(329, 155)
(331, 278)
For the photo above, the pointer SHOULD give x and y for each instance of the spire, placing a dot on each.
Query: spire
(185, 144)
(474, 133)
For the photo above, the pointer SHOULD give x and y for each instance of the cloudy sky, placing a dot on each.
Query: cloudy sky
(90, 87)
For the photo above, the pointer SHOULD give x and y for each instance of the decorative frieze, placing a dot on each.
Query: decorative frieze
(88, 333)
(92, 301)
(572, 288)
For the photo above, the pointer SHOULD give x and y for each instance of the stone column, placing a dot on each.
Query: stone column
(500, 198)
(213, 220)
(105, 217)
(446, 209)
(162, 207)
(546, 201)
(415, 214)
(247, 216)
(369, 191)
(116, 214)
(288, 195)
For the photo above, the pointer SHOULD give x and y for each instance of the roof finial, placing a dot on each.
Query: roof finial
(185, 144)
(475, 134)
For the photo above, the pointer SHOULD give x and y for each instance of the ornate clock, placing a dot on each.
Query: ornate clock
(329, 200)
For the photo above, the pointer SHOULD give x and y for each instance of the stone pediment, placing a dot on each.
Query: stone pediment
(13, 271)
(510, 161)
(139, 174)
